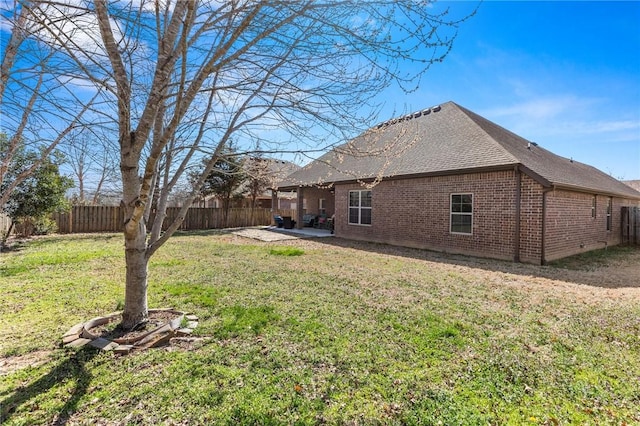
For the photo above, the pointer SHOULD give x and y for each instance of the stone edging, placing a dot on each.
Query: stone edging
(80, 335)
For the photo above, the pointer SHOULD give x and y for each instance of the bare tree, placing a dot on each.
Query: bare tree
(185, 77)
(92, 164)
(259, 176)
(41, 102)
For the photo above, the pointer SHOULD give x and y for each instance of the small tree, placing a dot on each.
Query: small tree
(225, 181)
(38, 195)
(258, 178)
(89, 158)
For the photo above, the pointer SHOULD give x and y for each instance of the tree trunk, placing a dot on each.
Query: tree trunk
(135, 304)
(6, 236)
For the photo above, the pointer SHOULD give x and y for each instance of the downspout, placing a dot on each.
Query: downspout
(543, 261)
(516, 236)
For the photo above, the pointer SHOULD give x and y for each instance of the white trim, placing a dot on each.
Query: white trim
(451, 213)
(359, 207)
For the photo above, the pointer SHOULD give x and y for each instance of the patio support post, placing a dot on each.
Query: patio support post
(300, 210)
(274, 201)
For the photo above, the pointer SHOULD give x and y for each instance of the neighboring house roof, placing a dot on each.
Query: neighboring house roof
(635, 184)
(448, 139)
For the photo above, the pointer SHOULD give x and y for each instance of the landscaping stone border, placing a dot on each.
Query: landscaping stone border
(80, 334)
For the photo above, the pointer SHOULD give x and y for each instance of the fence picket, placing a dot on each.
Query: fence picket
(88, 219)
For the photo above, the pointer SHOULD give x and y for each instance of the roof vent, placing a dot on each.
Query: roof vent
(426, 111)
(417, 114)
(408, 117)
(436, 108)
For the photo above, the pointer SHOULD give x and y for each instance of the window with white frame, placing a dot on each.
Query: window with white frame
(593, 206)
(360, 207)
(461, 213)
(609, 203)
(322, 209)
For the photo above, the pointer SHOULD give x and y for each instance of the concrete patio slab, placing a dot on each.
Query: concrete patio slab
(272, 233)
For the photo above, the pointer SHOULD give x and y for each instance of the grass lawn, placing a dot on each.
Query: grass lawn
(313, 332)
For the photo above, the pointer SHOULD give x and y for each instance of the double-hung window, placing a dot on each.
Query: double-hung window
(360, 207)
(609, 208)
(461, 213)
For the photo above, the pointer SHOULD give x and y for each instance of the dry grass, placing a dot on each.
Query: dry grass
(342, 333)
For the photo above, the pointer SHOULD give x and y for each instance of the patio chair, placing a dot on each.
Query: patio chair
(321, 222)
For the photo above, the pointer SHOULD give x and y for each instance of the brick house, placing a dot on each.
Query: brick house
(449, 180)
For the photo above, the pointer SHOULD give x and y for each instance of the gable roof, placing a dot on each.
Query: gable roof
(635, 184)
(448, 139)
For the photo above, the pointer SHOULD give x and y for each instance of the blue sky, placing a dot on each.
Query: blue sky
(563, 74)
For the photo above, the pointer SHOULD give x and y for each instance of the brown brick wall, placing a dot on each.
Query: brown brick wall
(415, 213)
(530, 220)
(312, 198)
(570, 227)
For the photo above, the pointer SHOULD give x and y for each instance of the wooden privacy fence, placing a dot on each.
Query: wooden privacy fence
(110, 218)
(631, 225)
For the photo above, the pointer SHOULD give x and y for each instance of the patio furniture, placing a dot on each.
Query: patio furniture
(288, 222)
(321, 222)
(309, 219)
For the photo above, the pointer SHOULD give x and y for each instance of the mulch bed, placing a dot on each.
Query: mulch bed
(161, 327)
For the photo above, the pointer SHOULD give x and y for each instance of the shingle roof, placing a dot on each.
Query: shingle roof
(447, 139)
(635, 184)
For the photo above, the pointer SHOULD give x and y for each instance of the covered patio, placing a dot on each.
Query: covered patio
(311, 200)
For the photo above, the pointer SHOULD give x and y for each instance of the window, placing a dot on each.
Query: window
(461, 213)
(321, 206)
(609, 202)
(593, 206)
(360, 207)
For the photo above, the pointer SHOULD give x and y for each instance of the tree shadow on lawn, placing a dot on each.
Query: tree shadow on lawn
(619, 267)
(71, 367)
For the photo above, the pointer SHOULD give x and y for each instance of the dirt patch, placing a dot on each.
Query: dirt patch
(32, 359)
(264, 235)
